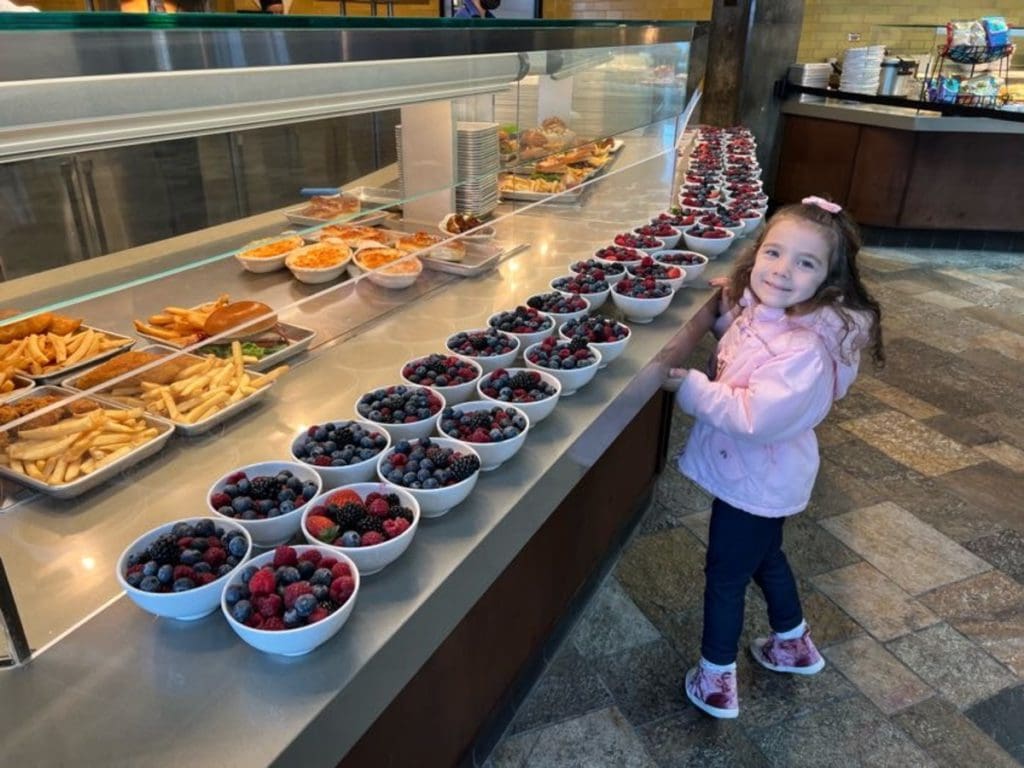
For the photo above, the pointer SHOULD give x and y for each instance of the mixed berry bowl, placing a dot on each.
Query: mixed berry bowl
(525, 324)
(573, 363)
(561, 307)
(341, 452)
(711, 241)
(651, 269)
(534, 392)
(638, 242)
(595, 289)
(256, 584)
(605, 334)
(405, 412)
(168, 573)
(489, 347)
(496, 432)
(662, 230)
(453, 376)
(642, 300)
(609, 271)
(450, 476)
(371, 523)
(265, 498)
(691, 262)
(617, 254)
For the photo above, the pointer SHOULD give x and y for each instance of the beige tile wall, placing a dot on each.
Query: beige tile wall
(627, 9)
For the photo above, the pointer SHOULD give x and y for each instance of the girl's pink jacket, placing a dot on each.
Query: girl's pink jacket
(753, 443)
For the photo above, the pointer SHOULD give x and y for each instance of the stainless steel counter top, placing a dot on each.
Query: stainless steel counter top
(899, 118)
(125, 688)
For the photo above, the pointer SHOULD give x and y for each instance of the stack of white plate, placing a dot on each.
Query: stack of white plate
(478, 161)
(811, 74)
(862, 69)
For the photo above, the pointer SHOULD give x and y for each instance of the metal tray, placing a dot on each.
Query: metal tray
(479, 259)
(89, 362)
(569, 197)
(200, 427)
(22, 384)
(377, 196)
(368, 219)
(88, 482)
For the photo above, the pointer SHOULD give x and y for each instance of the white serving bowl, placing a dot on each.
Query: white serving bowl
(595, 299)
(709, 246)
(268, 264)
(749, 225)
(525, 339)
(435, 502)
(668, 241)
(642, 310)
(492, 455)
(373, 558)
(359, 472)
(493, 363)
(564, 317)
(675, 283)
(410, 430)
(691, 271)
(640, 257)
(270, 531)
(301, 640)
(184, 606)
(455, 393)
(481, 234)
(315, 275)
(609, 277)
(737, 230)
(570, 380)
(610, 350)
(701, 208)
(393, 280)
(536, 411)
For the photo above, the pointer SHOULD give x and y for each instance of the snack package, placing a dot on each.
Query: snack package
(965, 33)
(982, 85)
(997, 32)
(943, 90)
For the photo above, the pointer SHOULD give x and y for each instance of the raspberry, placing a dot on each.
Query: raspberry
(263, 582)
(185, 542)
(234, 478)
(273, 624)
(402, 524)
(370, 538)
(328, 562)
(135, 568)
(378, 507)
(215, 556)
(312, 555)
(214, 542)
(338, 569)
(285, 555)
(268, 605)
(372, 497)
(318, 614)
(342, 589)
(182, 572)
(255, 621)
(395, 527)
(204, 578)
(220, 499)
(322, 461)
(294, 591)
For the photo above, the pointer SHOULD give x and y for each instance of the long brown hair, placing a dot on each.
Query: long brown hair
(842, 288)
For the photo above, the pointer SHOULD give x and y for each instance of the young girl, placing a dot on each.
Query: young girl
(794, 317)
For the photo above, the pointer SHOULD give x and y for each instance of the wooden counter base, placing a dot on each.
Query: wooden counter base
(437, 716)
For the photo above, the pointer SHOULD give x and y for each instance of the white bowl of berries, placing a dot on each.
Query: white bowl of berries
(691, 262)
(593, 289)
(667, 233)
(534, 392)
(561, 307)
(643, 243)
(574, 364)
(642, 300)
(609, 271)
(722, 220)
(751, 218)
(341, 452)
(524, 323)
(711, 241)
(265, 498)
(295, 622)
(453, 376)
(617, 254)
(606, 334)
(406, 412)
(496, 432)
(178, 570)
(702, 204)
(372, 523)
(656, 270)
(489, 347)
(449, 478)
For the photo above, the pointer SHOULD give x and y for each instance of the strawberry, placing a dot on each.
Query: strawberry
(341, 498)
(323, 528)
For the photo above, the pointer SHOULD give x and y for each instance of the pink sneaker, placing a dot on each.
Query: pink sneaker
(713, 692)
(798, 656)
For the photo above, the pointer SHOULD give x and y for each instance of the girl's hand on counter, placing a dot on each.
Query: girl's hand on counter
(674, 379)
(726, 301)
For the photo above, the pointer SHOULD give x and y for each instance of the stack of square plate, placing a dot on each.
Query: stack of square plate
(862, 69)
(811, 74)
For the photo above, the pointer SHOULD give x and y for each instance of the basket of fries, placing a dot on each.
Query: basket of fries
(64, 445)
(195, 393)
(13, 384)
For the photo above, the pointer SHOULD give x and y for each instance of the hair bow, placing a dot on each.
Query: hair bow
(826, 205)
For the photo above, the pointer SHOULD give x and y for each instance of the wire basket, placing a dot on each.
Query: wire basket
(975, 54)
(972, 100)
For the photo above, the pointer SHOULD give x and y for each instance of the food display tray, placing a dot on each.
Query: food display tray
(377, 196)
(53, 376)
(22, 384)
(568, 197)
(191, 430)
(88, 482)
(295, 217)
(479, 259)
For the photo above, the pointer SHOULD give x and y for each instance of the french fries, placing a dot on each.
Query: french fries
(76, 446)
(200, 390)
(39, 354)
(179, 326)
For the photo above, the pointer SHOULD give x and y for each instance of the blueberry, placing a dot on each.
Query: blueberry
(300, 451)
(287, 506)
(305, 605)
(134, 579)
(149, 584)
(409, 477)
(226, 511)
(286, 495)
(232, 560)
(308, 491)
(231, 490)
(202, 567)
(306, 569)
(423, 474)
(288, 575)
(403, 447)
(395, 476)
(249, 514)
(233, 594)
(248, 573)
(275, 511)
(182, 529)
(183, 584)
(165, 574)
(295, 484)
(241, 611)
(190, 557)
(134, 559)
(431, 483)
(321, 576)
(350, 539)
(237, 546)
(200, 544)
(244, 487)
(241, 503)
(225, 568)
(150, 568)
(263, 506)
(321, 591)
(320, 434)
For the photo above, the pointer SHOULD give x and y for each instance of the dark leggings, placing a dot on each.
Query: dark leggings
(741, 547)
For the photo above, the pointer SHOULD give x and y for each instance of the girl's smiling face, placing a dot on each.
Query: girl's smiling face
(791, 263)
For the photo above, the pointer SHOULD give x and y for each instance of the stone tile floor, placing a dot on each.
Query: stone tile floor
(910, 560)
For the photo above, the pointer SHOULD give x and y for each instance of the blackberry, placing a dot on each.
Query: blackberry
(368, 523)
(464, 467)
(349, 515)
(393, 500)
(481, 419)
(521, 381)
(439, 456)
(577, 343)
(403, 512)
(327, 605)
(164, 549)
(345, 437)
(263, 488)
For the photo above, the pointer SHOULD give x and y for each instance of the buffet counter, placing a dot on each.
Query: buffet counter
(125, 688)
(895, 167)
